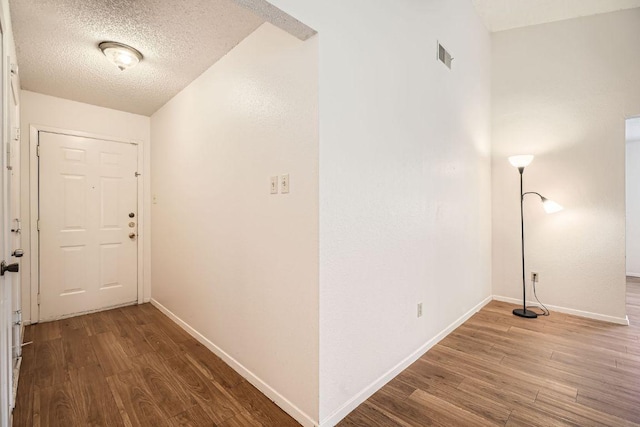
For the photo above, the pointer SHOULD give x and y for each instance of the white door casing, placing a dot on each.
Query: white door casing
(87, 190)
(15, 242)
(5, 280)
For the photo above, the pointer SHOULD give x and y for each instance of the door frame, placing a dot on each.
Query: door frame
(34, 207)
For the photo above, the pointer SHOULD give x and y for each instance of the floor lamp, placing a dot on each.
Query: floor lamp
(550, 206)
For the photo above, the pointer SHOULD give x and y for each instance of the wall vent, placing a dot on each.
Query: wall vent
(444, 56)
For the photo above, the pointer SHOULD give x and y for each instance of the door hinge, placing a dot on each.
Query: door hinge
(9, 165)
(16, 134)
(38, 224)
(38, 299)
(137, 174)
(38, 150)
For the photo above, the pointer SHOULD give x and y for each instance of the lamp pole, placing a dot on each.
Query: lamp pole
(523, 312)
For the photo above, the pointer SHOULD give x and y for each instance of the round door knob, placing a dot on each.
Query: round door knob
(132, 235)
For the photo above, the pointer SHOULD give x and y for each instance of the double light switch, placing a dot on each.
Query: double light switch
(282, 182)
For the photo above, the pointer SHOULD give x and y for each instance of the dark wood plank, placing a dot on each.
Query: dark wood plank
(58, 407)
(210, 365)
(46, 331)
(50, 364)
(449, 413)
(260, 407)
(194, 417)
(130, 336)
(244, 419)
(91, 393)
(98, 323)
(133, 399)
(23, 412)
(110, 354)
(215, 400)
(159, 341)
(163, 384)
(371, 416)
(77, 347)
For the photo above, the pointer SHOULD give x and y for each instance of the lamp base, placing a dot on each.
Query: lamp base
(525, 313)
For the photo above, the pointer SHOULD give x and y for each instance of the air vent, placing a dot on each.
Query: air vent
(444, 56)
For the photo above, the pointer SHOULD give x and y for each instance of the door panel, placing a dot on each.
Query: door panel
(15, 221)
(87, 190)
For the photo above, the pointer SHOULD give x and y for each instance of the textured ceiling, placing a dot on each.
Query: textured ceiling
(57, 45)
(499, 15)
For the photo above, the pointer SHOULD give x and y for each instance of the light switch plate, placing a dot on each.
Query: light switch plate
(274, 184)
(284, 183)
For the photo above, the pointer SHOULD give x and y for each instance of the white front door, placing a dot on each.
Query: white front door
(6, 383)
(15, 243)
(88, 224)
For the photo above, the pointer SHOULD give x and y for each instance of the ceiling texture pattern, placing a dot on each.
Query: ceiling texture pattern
(499, 15)
(57, 40)
(57, 46)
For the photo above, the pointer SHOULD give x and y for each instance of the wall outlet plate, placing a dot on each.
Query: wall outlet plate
(274, 184)
(419, 309)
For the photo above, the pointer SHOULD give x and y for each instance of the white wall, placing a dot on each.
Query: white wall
(404, 183)
(633, 196)
(233, 262)
(38, 109)
(561, 91)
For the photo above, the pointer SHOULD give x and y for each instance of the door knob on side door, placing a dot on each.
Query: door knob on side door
(132, 235)
(14, 268)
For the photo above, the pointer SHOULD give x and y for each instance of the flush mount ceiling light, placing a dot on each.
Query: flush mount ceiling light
(121, 55)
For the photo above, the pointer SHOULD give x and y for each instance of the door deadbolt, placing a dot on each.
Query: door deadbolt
(131, 214)
(132, 235)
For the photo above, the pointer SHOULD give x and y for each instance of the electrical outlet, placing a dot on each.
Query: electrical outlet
(534, 277)
(419, 309)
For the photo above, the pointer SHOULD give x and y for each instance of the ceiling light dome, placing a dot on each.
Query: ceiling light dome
(121, 55)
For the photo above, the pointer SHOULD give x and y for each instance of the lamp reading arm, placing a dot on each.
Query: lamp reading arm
(549, 205)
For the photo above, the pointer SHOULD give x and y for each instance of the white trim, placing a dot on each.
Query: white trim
(34, 249)
(96, 310)
(34, 244)
(376, 385)
(587, 314)
(272, 394)
(140, 222)
(633, 274)
(82, 134)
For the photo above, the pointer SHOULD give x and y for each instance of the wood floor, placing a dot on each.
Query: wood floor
(134, 367)
(501, 370)
(131, 367)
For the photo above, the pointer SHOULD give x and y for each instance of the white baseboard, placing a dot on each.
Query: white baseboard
(272, 394)
(376, 385)
(588, 314)
(633, 274)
